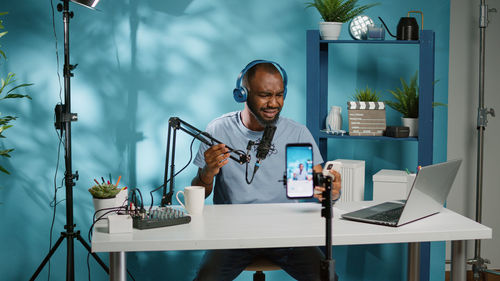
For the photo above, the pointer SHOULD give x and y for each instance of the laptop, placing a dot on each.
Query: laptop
(427, 197)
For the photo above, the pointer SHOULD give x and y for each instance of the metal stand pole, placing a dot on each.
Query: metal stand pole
(64, 117)
(478, 263)
(327, 266)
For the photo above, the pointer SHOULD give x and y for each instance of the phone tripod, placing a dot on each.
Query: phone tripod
(64, 117)
(327, 266)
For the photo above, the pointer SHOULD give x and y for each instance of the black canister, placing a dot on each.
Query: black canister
(407, 29)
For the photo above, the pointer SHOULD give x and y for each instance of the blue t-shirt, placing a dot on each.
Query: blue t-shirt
(267, 186)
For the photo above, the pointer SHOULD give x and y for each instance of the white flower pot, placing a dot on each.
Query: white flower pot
(411, 123)
(330, 30)
(120, 200)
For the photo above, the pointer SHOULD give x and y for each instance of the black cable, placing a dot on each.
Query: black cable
(60, 139)
(183, 168)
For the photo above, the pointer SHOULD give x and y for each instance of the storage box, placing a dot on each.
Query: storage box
(391, 185)
(119, 224)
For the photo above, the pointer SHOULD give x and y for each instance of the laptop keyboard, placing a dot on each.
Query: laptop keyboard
(388, 216)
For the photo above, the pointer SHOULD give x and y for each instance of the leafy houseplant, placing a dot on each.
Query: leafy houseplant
(336, 12)
(366, 114)
(104, 191)
(8, 91)
(407, 103)
(406, 98)
(366, 94)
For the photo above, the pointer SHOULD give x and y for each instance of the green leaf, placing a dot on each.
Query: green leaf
(16, 96)
(5, 153)
(4, 170)
(20, 86)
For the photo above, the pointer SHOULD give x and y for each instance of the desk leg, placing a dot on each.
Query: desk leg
(413, 261)
(458, 262)
(117, 266)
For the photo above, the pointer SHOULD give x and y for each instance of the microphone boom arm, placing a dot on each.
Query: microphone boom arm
(174, 124)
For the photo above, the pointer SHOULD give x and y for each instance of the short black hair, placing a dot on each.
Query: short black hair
(265, 66)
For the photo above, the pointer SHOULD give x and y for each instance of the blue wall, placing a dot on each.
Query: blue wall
(141, 62)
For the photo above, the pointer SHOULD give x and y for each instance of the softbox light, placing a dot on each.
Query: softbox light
(87, 3)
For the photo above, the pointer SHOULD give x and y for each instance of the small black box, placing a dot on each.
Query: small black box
(397, 131)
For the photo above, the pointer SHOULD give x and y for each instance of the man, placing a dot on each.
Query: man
(300, 173)
(262, 86)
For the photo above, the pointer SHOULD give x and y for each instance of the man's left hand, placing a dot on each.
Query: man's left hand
(336, 186)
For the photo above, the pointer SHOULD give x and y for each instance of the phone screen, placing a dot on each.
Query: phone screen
(299, 170)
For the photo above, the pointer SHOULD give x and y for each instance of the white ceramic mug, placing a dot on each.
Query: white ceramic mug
(194, 199)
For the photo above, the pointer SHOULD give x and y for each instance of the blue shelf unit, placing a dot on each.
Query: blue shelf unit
(317, 103)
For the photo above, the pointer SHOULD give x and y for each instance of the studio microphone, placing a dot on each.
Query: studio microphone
(265, 144)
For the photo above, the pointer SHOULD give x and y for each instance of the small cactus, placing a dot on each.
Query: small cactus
(104, 191)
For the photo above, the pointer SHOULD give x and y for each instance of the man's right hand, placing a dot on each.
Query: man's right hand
(215, 158)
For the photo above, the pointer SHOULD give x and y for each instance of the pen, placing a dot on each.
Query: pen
(103, 180)
(407, 171)
(118, 181)
(96, 182)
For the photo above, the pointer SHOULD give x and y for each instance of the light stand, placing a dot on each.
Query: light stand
(327, 266)
(479, 263)
(174, 124)
(64, 117)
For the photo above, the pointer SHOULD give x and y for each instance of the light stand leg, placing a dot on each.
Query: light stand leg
(47, 258)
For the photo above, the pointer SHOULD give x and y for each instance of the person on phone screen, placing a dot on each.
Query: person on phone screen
(300, 173)
(261, 86)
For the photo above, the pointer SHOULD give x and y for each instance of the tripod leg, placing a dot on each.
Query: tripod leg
(96, 257)
(47, 258)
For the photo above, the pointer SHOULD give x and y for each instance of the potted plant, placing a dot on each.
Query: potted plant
(104, 198)
(334, 13)
(406, 103)
(366, 114)
(8, 92)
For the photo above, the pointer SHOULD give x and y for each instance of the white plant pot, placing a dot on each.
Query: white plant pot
(101, 204)
(411, 123)
(330, 30)
(120, 200)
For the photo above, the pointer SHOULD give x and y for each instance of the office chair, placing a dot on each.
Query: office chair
(259, 265)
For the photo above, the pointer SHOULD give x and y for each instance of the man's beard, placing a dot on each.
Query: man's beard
(263, 122)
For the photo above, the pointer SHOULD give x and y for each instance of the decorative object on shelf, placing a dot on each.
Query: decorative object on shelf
(10, 91)
(376, 33)
(334, 13)
(334, 119)
(366, 118)
(366, 114)
(407, 27)
(366, 94)
(397, 131)
(407, 103)
(359, 26)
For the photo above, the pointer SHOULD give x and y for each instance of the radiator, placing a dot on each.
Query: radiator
(353, 180)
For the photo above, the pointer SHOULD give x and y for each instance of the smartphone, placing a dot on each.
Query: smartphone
(299, 170)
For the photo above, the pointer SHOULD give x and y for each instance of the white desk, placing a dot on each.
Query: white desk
(279, 225)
